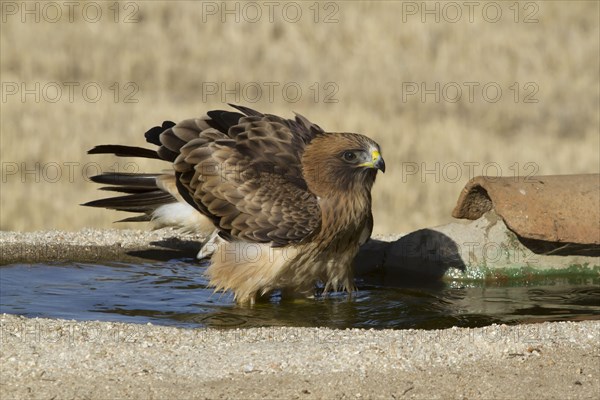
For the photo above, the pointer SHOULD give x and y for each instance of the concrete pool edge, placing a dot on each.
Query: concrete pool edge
(482, 249)
(92, 245)
(59, 358)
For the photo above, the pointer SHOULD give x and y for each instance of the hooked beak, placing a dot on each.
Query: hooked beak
(376, 162)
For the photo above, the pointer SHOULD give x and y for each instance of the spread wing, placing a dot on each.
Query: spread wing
(244, 172)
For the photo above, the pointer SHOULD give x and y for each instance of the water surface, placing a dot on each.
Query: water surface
(175, 293)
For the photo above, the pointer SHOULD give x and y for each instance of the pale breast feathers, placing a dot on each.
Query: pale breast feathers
(244, 172)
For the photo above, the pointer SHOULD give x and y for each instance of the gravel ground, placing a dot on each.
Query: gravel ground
(54, 359)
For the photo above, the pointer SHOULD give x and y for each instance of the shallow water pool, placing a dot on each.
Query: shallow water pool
(175, 293)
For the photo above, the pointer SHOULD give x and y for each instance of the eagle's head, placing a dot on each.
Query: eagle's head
(341, 162)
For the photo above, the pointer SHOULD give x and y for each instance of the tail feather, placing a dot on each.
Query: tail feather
(137, 218)
(155, 196)
(124, 151)
(139, 202)
(127, 180)
(118, 189)
(143, 195)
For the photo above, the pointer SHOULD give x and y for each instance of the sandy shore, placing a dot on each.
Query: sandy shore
(43, 358)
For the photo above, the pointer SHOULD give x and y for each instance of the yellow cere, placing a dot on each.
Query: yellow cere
(375, 154)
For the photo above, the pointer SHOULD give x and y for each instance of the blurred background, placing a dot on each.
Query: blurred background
(449, 90)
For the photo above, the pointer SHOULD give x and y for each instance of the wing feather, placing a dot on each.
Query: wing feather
(244, 172)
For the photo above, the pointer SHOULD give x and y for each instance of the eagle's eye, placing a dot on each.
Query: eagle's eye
(349, 156)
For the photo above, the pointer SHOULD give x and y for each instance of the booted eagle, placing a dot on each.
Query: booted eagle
(290, 203)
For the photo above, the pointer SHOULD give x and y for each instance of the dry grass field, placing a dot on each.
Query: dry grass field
(448, 90)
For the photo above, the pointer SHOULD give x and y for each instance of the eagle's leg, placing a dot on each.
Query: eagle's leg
(209, 245)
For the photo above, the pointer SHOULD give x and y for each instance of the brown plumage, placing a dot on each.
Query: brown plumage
(292, 202)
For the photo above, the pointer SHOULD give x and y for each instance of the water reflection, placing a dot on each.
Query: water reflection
(175, 293)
